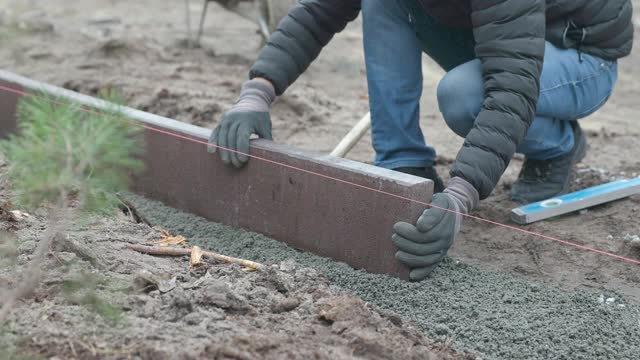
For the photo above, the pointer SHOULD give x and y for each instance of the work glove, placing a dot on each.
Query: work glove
(249, 115)
(423, 246)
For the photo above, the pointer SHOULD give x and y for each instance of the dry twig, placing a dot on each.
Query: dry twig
(172, 251)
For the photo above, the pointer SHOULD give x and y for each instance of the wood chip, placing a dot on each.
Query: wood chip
(168, 239)
(196, 257)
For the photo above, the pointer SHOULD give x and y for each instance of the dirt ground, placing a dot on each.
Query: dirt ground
(100, 300)
(140, 48)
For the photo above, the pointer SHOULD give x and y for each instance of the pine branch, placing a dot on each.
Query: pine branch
(59, 151)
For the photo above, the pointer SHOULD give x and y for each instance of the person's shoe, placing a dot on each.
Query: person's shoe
(427, 173)
(545, 179)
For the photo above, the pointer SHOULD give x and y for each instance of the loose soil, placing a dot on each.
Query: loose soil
(495, 314)
(139, 48)
(100, 300)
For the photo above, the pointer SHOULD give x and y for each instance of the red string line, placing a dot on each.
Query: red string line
(510, 227)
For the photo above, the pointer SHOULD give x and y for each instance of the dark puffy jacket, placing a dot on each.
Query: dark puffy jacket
(509, 35)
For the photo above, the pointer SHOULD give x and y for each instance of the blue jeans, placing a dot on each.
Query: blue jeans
(397, 32)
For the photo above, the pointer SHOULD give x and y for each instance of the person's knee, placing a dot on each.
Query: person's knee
(453, 103)
(460, 94)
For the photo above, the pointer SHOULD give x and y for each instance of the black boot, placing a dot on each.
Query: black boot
(544, 179)
(427, 173)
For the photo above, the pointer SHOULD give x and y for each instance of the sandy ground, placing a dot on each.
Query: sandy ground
(140, 49)
(100, 300)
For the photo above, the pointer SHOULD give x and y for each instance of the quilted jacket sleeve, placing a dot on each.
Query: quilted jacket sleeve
(510, 42)
(300, 36)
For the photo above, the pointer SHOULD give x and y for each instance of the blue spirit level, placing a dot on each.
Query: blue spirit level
(575, 201)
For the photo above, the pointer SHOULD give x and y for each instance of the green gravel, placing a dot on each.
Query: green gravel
(492, 314)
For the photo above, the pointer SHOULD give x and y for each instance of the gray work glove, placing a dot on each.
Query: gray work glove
(249, 115)
(423, 246)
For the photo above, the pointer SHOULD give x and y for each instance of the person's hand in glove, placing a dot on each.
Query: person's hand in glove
(249, 115)
(423, 246)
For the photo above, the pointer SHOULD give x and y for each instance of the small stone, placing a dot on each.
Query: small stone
(441, 329)
(610, 301)
(17, 215)
(285, 305)
(148, 282)
(601, 299)
(27, 247)
(631, 238)
(193, 319)
(610, 237)
(198, 282)
(166, 286)
(584, 212)
(66, 257)
(216, 315)
(288, 266)
(148, 309)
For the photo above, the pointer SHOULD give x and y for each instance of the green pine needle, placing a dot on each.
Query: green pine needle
(62, 149)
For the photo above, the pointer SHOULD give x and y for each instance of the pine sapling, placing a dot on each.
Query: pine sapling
(70, 161)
